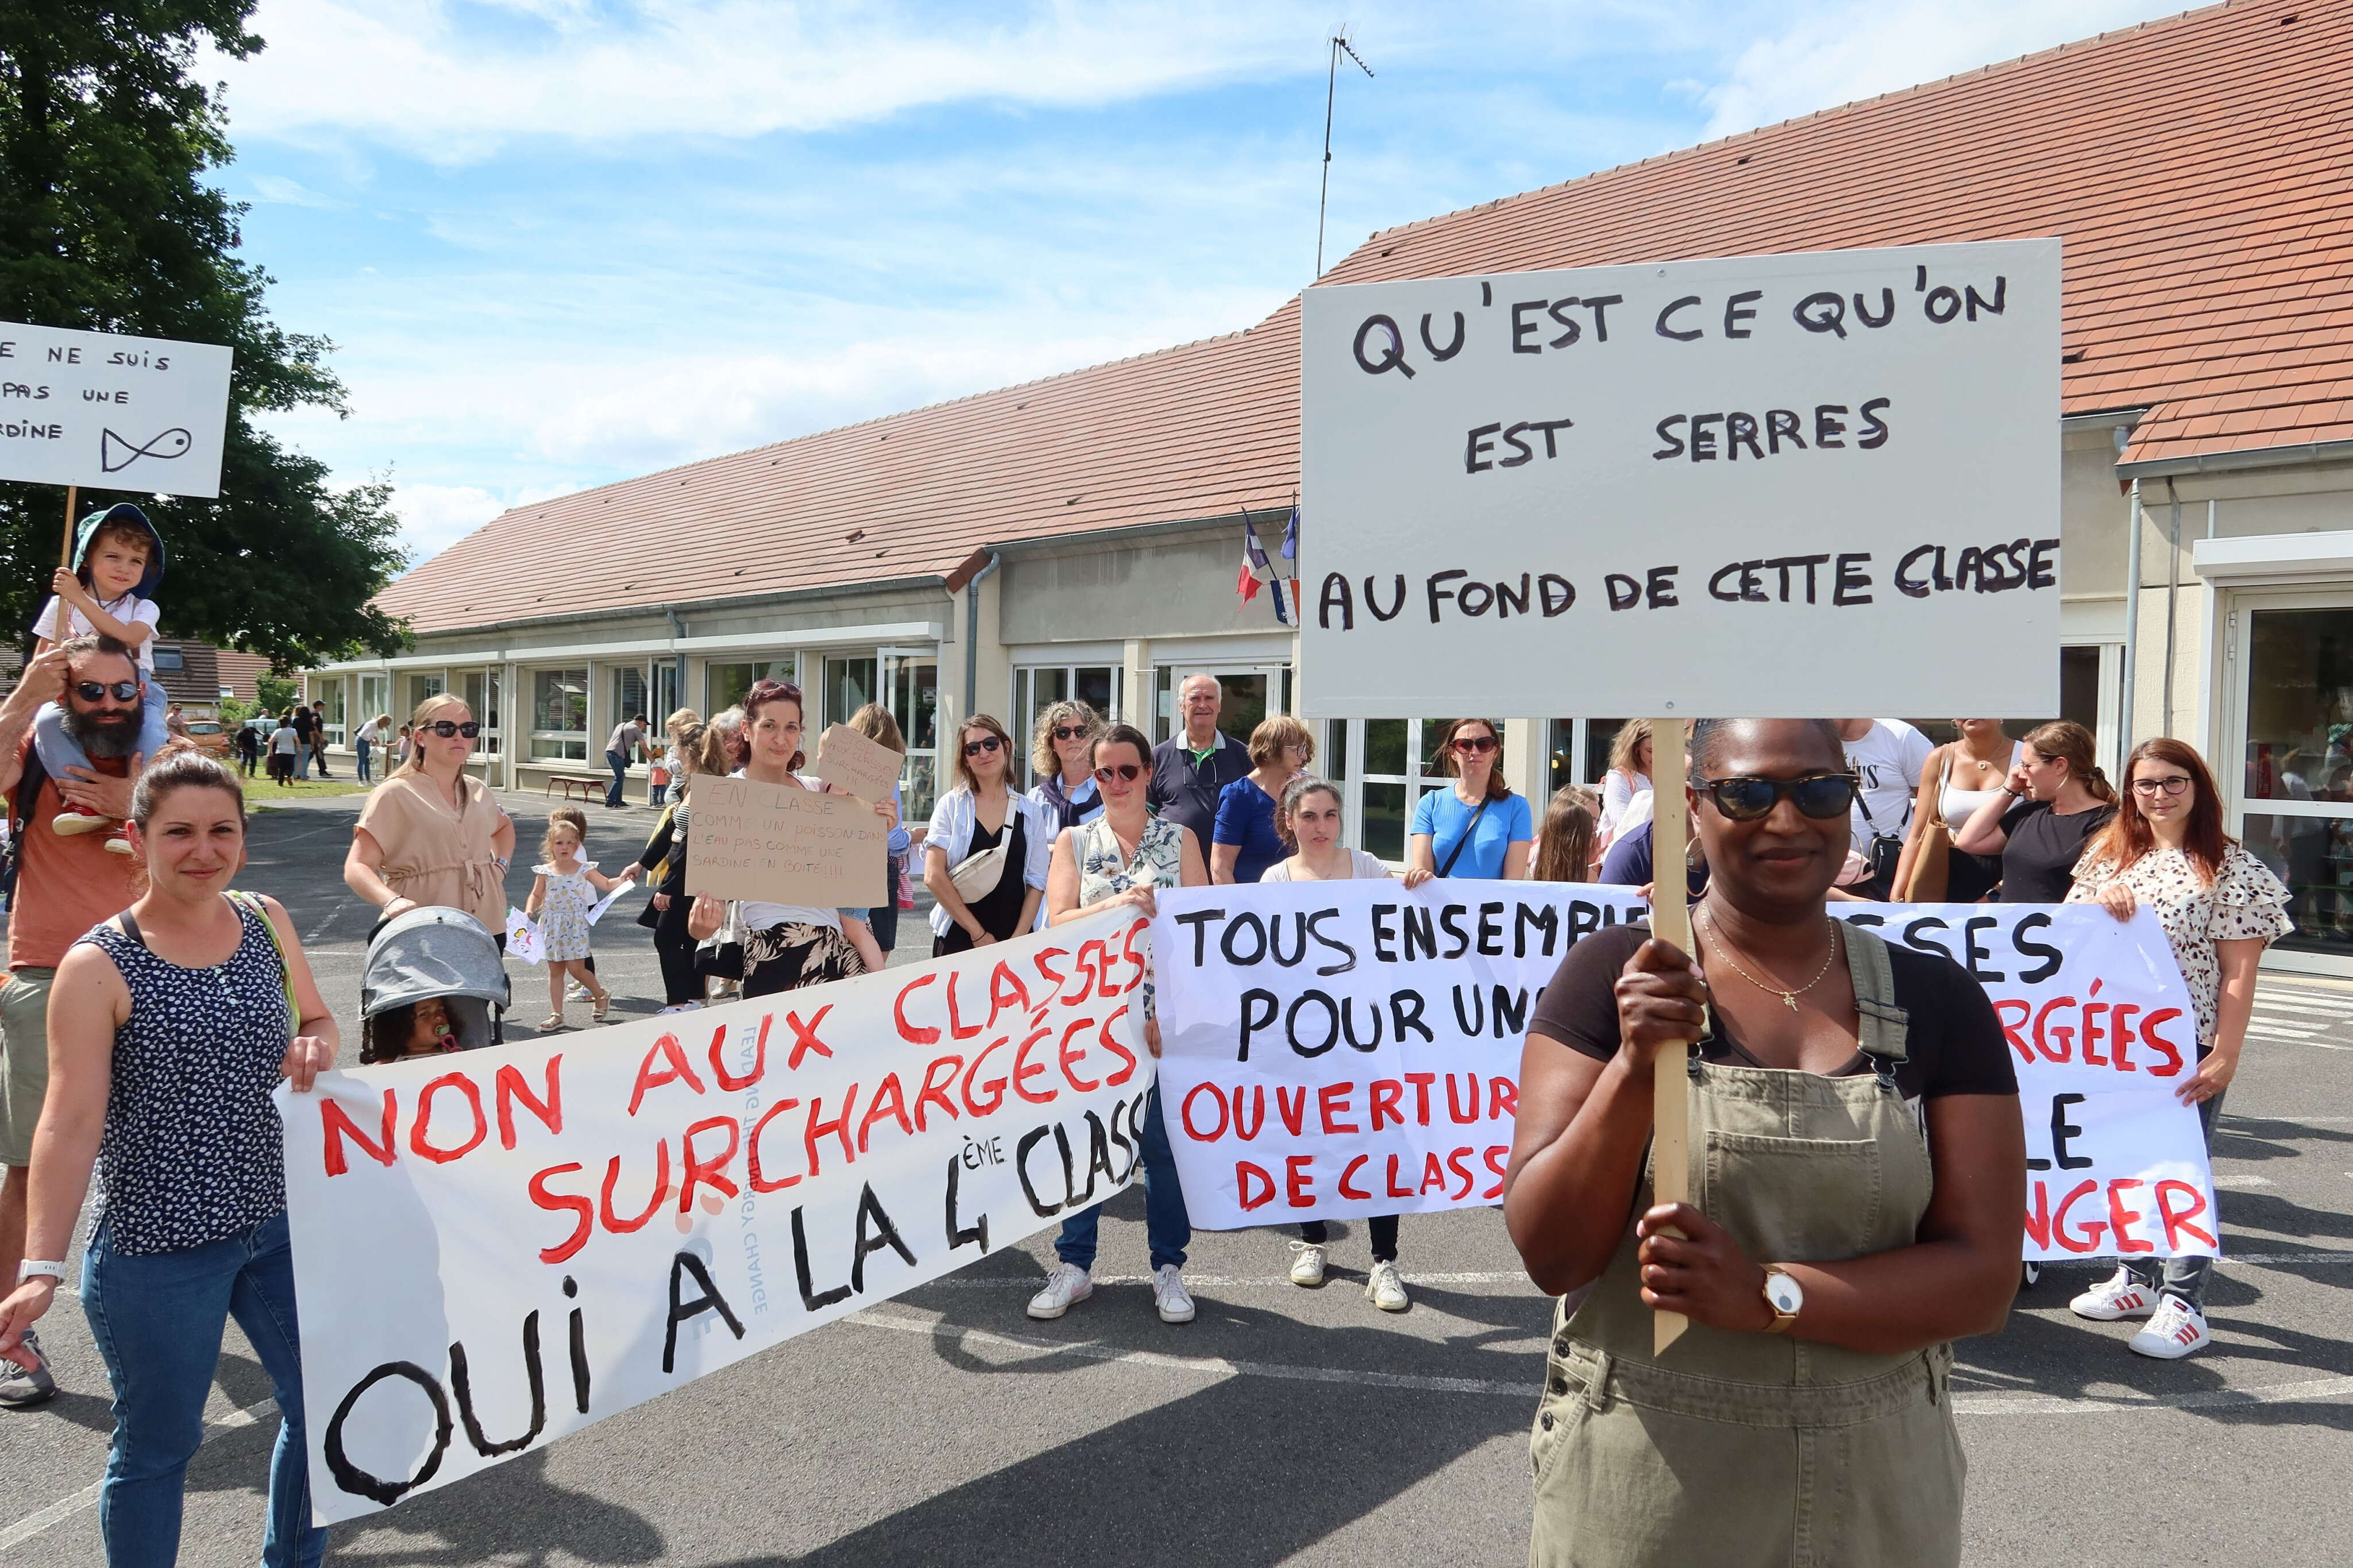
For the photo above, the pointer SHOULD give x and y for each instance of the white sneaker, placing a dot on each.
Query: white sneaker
(677, 1007)
(575, 992)
(1067, 1284)
(1383, 1290)
(1307, 1263)
(2118, 1296)
(2178, 1330)
(1168, 1292)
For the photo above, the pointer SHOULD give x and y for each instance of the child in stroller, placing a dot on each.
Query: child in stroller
(434, 982)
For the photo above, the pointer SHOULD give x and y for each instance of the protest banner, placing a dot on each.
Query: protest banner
(1682, 464)
(784, 845)
(1344, 1049)
(111, 412)
(850, 760)
(495, 1248)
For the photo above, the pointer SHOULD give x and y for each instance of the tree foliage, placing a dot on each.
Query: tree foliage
(108, 223)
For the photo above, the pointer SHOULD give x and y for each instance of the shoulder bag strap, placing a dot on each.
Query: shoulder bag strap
(260, 911)
(1464, 842)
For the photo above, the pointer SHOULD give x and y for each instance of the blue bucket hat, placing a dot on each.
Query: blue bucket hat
(128, 516)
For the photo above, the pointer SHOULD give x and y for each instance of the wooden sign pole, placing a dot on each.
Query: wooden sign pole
(65, 556)
(1670, 922)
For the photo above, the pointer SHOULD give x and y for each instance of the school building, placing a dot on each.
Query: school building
(1082, 534)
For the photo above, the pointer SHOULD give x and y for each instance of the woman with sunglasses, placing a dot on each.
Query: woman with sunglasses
(1245, 839)
(1817, 1039)
(983, 813)
(1479, 829)
(431, 834)
(1060, 751)
(2221, 907)
(2053, 801)
(1113, 863)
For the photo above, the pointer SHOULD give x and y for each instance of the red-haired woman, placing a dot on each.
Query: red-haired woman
(2220, 907)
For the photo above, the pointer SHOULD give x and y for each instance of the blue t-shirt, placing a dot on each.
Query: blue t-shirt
(1246, 820)
(1442, 816)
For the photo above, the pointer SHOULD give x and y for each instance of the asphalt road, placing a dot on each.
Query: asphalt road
(1289, 1426)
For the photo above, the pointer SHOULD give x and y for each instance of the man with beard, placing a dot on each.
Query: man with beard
(65, 885)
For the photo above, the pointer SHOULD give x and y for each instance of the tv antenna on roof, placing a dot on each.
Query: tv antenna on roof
(1339, 42)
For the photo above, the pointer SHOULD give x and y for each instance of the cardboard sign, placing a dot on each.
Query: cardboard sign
(784, 845)
(498, 1248)
(111, 412)
(1741, 488)
(850, 760)
(1336, 1049)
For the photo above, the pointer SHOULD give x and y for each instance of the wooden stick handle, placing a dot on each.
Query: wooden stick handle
(65, 555)
(1670, 922)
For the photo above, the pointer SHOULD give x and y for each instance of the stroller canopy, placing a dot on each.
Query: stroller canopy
(432, 952)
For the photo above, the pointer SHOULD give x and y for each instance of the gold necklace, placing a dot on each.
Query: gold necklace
(1788, 999)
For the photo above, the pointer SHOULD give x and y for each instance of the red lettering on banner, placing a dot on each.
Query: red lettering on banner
(838, 1128)
(1087, 968)
(1501, 1171)
(2177, 1223)
(1067, 1056)
(584, 1214)
(1185, 1112)
(613, 1222)
(1245, 1129)
(1291, 1104)
(2091, 1232)
(676, 1070)
(1023, 1069)
(1331, 1103)
(889, 1100)
(1355, 1165)
(752, 1151)
(2046, 1031)
(913, 1034)
(2010, 1027)
(1127, 950)
(710, 1173)
(935, 1090)
(1502, 1099)
(1455, 1110)
(1431, 1171)
(2149, 1036)
(996, 1086)
(508, 1086)
(1243, 1172)
(1385, 1092)
(718, 1072)
(955, 1020)
(1053, 977)
(1396, 1191)
(1422, 1082)
(1110, 1042)
(416, 1139)
(2120, 1217)
(804, 1038)
(1006, 989)
(335, 1125)
(2091, 1034)
(2121, 1037)
(2038, 1218)
(1298, 1185)
(1454, 1163)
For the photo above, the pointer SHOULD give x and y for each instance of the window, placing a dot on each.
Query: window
(911, 689)
(169, 660)
(559, 715)
(1393, 755)
(1249, 696)
(421, 687)
(629, 694)
(849, 686)
(724, 685)
(663, 678)
(1037, 688)
(480, 688)
(375, 697)
(331, 709)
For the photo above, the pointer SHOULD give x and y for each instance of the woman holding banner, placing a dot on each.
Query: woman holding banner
(997, 898)
(1308, 820)
(169, 1027)
(1830, 1212)
(1479, 829)
(1115, 861)
(431, 834)
(2221, 907)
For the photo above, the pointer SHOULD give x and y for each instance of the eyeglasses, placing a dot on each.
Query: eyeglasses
(1071, 732)
(2173, 784)
(122, 690)
(986, 743)
(1749, 798)
(1474, 745)
(1125, 772)
(445, 728)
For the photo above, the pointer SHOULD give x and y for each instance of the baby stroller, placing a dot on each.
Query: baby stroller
(439, 965)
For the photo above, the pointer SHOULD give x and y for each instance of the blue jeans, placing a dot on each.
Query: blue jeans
(620, 761)
(1167, 1226)
(60, 751)
(302, 758)
(157, 1318)
(362, 743)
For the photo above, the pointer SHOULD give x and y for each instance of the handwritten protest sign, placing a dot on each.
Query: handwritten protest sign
(784, 845)
(848, 761)
(523, 939)
(111, 412)
(1349, 1048)
(496, 1249)
(1686, 464)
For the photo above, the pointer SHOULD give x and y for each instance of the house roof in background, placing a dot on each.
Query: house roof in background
(2199, 169)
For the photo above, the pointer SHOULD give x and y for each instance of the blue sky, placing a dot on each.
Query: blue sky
(559, 242)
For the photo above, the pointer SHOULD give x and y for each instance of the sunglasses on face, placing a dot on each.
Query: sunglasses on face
(985, 744)
(1474, 745)
(122, 690)
(1070, 733)
(1749, 798)
(1125, 772)
(2174, 784)
(445, 728)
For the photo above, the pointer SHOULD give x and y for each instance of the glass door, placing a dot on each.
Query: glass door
(1250, 693)
(2294, 656)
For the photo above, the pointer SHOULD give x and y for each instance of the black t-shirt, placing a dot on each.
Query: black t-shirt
(2038, 864)
(1954, 1045)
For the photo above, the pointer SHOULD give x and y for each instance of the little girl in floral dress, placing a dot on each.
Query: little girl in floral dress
(560, 898)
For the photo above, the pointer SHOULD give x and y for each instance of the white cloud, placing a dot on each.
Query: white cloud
(434, 516)
(278, 188)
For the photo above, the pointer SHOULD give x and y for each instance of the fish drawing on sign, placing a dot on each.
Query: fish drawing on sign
(116, 453)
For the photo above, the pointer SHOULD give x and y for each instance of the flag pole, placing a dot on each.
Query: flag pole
(1669, 923)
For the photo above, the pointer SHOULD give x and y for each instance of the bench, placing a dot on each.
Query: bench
(591, 786)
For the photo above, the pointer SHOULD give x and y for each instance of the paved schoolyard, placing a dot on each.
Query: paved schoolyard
(1287, 1424)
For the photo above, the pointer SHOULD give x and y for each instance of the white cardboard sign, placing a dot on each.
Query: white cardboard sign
(111, 412)
(1761, 487)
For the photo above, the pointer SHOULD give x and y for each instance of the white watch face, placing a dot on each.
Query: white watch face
(1784, 1293)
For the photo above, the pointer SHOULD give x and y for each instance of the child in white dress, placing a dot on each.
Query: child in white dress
(562, 895)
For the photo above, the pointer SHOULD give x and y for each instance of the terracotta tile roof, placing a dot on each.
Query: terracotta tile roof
(2199, 169)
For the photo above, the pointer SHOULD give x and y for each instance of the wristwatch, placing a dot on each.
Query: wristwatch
(1785, 1296)
(31, 1266)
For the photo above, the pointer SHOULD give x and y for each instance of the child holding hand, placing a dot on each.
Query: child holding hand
(118, 562)
(561, 896)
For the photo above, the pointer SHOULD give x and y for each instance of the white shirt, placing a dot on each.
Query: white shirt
(282, 739)
(368, 731)
(951, 834)
(129, 608)
(1617, 793)
(1889, 760)
(1361, 868)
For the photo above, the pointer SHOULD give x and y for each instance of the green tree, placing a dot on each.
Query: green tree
(106, 223)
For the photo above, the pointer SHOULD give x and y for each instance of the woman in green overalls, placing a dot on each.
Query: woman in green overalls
(1835, 1249)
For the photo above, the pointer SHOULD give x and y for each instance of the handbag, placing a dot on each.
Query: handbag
(720, 956)
(1882, 855)
(1932, 855)
(976, 876)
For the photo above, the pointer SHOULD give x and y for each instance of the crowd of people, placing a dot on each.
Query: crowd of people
(113, 1067)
